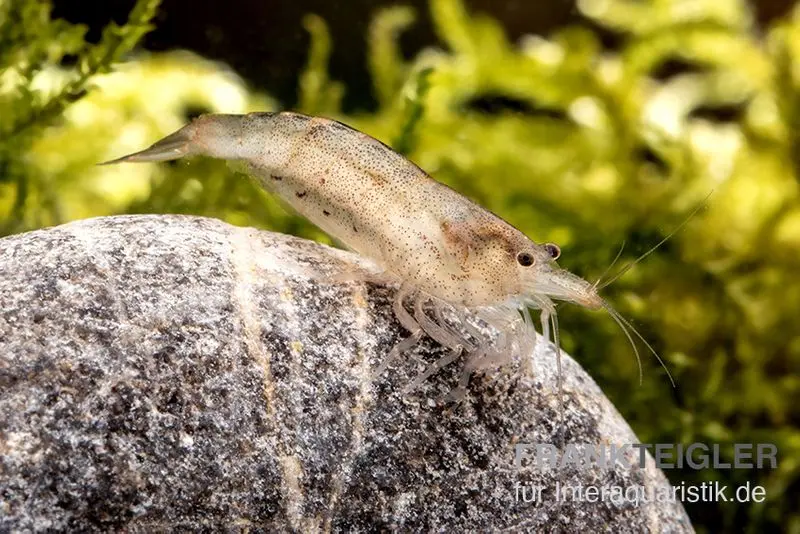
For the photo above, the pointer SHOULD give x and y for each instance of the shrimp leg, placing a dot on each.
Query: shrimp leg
(408, 322)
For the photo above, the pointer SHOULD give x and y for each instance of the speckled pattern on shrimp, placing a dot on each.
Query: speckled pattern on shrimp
(453, 258)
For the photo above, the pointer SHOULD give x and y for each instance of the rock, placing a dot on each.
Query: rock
(169, 372)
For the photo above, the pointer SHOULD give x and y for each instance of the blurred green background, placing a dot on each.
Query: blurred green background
(608, 123)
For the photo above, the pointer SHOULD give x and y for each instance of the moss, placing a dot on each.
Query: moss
(35, 91)
(570, 141)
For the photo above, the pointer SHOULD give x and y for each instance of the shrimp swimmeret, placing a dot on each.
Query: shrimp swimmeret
(452, 257)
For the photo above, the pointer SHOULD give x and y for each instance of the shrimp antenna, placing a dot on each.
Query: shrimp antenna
(627, 328)
(643, 256)
(611, 266)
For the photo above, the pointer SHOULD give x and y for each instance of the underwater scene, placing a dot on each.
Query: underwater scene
(606, 127)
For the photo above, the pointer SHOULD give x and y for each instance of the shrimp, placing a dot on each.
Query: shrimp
(456, 261)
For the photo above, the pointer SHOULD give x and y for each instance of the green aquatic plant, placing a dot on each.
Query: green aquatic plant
(33, 96)
(571, 140)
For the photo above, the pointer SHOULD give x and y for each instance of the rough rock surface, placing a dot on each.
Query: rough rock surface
(167, 372)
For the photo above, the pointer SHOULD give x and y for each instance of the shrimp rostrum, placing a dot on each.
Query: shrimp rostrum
(453, 259)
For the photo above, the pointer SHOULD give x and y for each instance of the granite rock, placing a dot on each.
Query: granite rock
(178, 373)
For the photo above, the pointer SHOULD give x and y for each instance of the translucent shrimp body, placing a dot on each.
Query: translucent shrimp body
(453, 258)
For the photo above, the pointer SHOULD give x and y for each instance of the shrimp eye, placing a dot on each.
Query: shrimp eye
(525, 259)
(553, 250)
